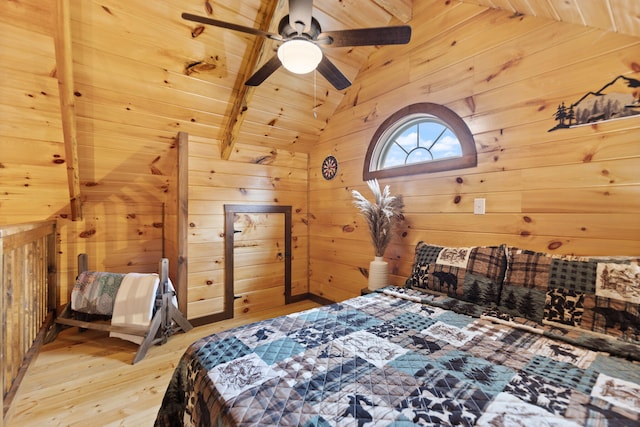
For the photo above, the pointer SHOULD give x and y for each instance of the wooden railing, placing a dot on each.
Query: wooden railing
(28, 296)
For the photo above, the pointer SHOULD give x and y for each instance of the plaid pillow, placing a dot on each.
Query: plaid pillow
(593, 294)
(610, 303)
(525, 284)
(471, 274)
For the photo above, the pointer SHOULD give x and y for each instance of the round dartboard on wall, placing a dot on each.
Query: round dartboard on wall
(329, 167)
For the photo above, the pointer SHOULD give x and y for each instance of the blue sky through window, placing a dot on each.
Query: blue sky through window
(422, 140)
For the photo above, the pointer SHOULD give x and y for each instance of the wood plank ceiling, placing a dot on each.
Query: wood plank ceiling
(139, 63)
(618, 16)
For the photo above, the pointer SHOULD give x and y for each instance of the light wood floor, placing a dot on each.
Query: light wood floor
(86, 379)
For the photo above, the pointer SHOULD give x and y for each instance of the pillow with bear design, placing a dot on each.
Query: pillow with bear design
(472, 274)
(593, 294)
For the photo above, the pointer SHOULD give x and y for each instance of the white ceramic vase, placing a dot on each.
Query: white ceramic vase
(378, 273)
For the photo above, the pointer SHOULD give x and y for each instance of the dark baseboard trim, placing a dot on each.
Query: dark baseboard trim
(205, 320)
(298, 298)
(319, 299)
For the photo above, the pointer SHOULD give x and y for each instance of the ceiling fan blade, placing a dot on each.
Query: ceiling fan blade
(332, 74)
(300, 14)
(400, 34)
(265, 71)
(230, 26)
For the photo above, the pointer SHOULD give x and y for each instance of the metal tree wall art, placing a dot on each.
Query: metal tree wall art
(617, 99)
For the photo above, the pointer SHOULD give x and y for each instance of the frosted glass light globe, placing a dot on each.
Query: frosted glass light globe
(299, 56)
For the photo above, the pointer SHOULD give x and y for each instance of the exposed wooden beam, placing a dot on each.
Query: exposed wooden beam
(64, 73)
(245, 93)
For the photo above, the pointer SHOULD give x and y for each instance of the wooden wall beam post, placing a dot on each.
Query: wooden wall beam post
(64, 73)
(183, 222)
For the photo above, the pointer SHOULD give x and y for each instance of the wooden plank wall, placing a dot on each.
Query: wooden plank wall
(574, 190)
(126, 155)
(30, 129)
(569, 191)
(129, 111)
(259, 246)
(252, 175)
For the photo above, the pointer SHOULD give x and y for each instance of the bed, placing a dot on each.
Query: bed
(449, 348)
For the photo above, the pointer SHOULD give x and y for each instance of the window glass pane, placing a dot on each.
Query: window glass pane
(407, 137)
(429, 132)
(417, 140)
(447, 146)
(394, 156)
(419, 155)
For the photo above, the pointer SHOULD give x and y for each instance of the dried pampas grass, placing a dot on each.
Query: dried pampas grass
(382, 215)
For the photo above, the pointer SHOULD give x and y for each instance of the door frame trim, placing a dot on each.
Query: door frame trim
(229, 213)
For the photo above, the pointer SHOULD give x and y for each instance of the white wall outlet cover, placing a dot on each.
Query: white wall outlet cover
(478, 206)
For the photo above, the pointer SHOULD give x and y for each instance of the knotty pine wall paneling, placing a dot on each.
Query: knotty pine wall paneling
(125, 156)
(132, 98)
(573, 191)
(252, 175)
(31, 141)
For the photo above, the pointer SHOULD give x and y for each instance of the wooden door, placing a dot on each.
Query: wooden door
(257, 257)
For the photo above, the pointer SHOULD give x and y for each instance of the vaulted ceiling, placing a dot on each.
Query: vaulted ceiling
(286, 110)
(143, 57)
(140, 64)
(621, 16)
(290, 110)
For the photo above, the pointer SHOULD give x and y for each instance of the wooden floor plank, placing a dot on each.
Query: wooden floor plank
(87, 378)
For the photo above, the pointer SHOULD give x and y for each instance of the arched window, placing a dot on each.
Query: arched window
(420, 138)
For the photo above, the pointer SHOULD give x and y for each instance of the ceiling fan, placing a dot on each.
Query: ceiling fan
(301, 38)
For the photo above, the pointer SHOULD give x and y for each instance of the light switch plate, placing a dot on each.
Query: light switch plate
(478, 206)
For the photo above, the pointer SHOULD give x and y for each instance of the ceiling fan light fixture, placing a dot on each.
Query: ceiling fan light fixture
(299, 56)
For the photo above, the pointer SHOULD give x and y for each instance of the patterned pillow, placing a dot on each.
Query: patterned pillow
(594, 294)
(525, 284)
(471, 274)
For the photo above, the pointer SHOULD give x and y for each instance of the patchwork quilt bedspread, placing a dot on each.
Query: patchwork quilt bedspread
(386, 360)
